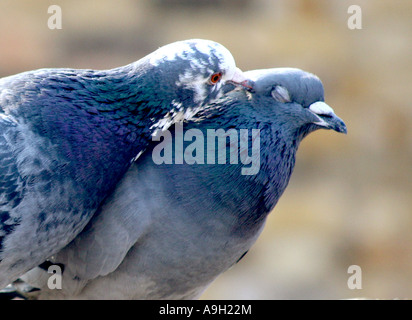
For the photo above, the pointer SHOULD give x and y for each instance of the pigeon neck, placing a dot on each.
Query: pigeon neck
(98, 121)
(126, 95)
(278, 161)
(261, 192)
(128, 100)
(277, 146)
(243, 199)
(121, 112)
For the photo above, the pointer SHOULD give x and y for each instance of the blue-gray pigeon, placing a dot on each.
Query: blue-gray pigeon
(67, 137)
(196, 200)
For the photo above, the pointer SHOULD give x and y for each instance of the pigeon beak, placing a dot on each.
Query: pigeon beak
(327, 117)
(240, 79)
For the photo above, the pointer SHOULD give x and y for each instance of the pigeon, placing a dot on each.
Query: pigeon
(193, 204)
(67, 137)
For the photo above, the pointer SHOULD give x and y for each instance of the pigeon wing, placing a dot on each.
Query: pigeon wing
(12, 185)
(101, 247)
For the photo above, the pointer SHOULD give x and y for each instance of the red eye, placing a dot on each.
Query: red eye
(215, 78)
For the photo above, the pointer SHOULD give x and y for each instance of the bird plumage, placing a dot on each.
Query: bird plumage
(169, 230)
(67, 136)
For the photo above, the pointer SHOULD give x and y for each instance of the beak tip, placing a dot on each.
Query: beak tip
(340, 127)
(240, 79)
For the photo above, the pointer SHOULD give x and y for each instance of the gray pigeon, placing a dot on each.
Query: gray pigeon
(194, 203)
(67, 137)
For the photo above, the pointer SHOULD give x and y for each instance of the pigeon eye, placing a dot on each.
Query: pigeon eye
(215, 78)
(281, 94)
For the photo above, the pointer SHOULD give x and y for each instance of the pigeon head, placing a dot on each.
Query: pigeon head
(297, 100)
(284, 106)
(192, 73)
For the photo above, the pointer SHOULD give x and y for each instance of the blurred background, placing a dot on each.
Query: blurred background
(349, 201)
